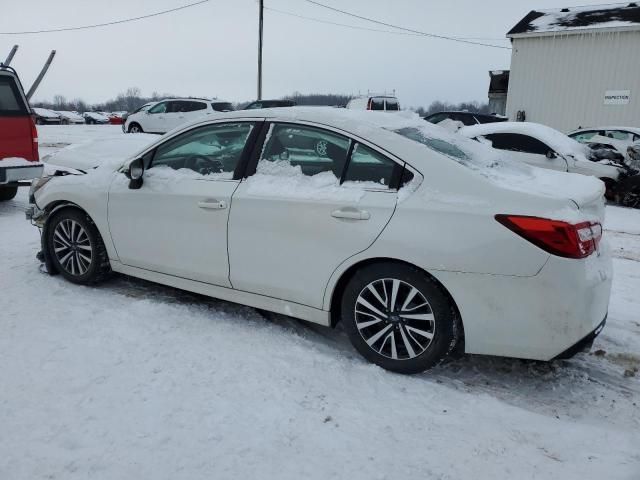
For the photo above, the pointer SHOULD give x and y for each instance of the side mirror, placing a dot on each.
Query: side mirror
(134, 173)
(551, 155)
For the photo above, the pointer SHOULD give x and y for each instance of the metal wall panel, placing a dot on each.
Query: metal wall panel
(561, 80)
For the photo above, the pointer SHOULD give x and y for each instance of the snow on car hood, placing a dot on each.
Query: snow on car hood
(105, 152)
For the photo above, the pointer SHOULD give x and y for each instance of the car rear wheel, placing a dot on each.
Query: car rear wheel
(7, 193)
(135, 128)
(75, 247)
(398, 318)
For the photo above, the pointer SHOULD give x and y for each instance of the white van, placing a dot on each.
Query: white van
(375, 102)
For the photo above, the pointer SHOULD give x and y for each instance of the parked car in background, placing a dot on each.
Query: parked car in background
(618, 138)
(333, 193)
(45, 116)
(68, 118)
(19, 157)
(116, 118)
(270, 104)
(384, 103)
(466, 118)
(545, 147)
(168, 114)
(95, 118)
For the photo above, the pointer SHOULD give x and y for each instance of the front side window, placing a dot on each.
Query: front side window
(367, 165)
(311, 149)
(516, 142)
(212, 150)
(618, 135)
(159, 108)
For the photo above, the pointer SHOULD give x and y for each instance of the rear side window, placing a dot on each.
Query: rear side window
(367, 165)
(11, 102)
(195, 106)
(516, 142)
(222, 106)
(376, 103)
(393, 105)
(311, 149)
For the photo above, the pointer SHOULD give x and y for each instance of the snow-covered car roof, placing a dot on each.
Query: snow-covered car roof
(95, 115)
(578, 19)
(635, 130)
(560, 142)
(45, 112)
(67, 114)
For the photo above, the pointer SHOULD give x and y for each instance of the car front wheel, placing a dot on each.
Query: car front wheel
(135, 128)
(398, 318)
(75, 247)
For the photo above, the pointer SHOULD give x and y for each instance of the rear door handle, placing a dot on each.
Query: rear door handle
(351, 214)
(212, 204)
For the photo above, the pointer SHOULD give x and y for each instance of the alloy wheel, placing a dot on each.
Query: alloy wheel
(394, 319)
(72, 247)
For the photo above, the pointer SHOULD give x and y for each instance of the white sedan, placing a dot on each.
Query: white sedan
(544, 147)
(419, 241)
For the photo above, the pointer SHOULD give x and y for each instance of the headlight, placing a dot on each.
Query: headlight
(37, 184)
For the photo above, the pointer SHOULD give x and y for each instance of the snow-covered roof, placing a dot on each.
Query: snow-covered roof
(44, 112)
(635, 130)
(618, 16)
(560, 142)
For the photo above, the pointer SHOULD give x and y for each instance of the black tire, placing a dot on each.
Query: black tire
(7, 193)
(135, 128)
(444, 327)
(77, 269)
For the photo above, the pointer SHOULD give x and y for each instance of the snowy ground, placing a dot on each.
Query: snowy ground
(134, 380)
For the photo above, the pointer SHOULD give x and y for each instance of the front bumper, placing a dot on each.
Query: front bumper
(20, 173)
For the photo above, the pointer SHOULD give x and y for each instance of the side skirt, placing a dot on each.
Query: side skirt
(276, 305)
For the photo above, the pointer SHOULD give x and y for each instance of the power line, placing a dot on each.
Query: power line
(418, 32)
(97, 25)
(358, 27)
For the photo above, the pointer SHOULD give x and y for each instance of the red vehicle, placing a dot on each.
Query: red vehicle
(19, 158)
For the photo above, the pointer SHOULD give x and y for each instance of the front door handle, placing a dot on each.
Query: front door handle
(212, 204)
(351, 214)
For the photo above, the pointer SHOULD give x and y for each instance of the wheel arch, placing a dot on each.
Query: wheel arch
(349, 272)
(50, 210)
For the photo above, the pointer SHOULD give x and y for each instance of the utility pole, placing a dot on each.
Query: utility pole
(261, 19)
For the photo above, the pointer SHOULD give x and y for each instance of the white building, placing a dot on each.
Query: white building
(577, 67)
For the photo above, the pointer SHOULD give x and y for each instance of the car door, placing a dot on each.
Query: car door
(301, 214)
(528, 150)
(154, 119)
(176, 223)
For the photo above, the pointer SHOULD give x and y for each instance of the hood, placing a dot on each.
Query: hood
(106, 152)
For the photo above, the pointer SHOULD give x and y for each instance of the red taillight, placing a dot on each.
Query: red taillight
(34, 143)
(555, 236)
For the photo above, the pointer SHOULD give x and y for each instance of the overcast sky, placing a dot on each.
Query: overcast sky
(211, 49)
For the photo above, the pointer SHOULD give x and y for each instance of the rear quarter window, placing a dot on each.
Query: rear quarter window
(11, 102)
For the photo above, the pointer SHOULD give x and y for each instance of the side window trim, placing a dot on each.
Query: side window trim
(249, 147)
(261, 137)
